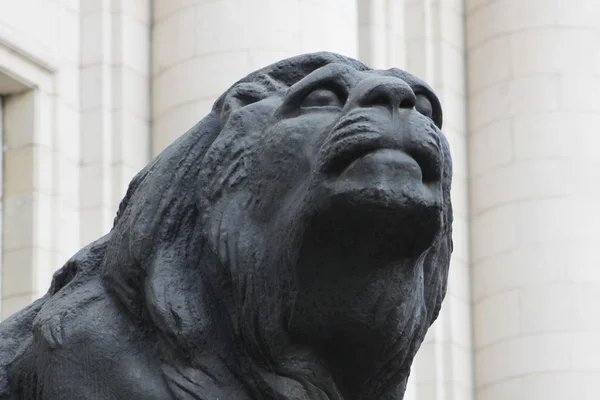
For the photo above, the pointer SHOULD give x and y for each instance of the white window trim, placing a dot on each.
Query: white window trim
(36, 81)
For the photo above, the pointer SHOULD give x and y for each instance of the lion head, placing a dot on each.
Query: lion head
(295, 243)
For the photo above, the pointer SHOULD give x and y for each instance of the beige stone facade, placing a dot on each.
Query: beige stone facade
(92, 89)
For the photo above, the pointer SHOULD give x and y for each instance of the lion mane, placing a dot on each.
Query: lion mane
(197, 299)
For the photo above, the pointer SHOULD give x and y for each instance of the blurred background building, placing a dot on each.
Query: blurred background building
(91, 90)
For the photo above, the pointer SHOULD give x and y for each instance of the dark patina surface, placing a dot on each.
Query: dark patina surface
(294, 244)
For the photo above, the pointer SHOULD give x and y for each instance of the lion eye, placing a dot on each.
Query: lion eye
(423, 105)
(322, 98)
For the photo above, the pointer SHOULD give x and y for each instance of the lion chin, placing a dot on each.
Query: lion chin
(294, 244)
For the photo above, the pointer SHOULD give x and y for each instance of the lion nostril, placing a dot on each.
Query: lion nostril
(379, 99)
(408, 103)
(387, 92)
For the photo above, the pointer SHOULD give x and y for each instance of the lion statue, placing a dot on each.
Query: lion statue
(294, 244)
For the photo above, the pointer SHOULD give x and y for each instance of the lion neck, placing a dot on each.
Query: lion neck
(353, 326)
(359, 306)
(290, 345)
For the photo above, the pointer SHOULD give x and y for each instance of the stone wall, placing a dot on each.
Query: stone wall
(74, 76)
(534, 82)
(39, 65)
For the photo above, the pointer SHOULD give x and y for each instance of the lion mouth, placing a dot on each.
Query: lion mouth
(350, 150)
(347, 155)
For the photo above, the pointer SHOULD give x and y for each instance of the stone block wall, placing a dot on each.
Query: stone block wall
(39, 56)
(74, 77)
(533, 69)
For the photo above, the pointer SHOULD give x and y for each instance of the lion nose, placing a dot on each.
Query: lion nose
(384, 91)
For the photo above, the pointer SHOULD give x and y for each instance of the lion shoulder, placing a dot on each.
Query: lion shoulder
(84, 346)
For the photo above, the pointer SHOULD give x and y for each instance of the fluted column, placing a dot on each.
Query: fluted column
(200, 48)
(115, 106)
(534, 83)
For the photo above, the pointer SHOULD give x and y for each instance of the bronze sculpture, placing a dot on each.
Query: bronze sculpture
(294, 244)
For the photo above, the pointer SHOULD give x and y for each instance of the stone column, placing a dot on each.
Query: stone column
(435, 51)
(200, 48)
(534, 83)
(115, 106)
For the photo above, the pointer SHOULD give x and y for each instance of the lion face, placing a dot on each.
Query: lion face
(337, 182)
(365, 142)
